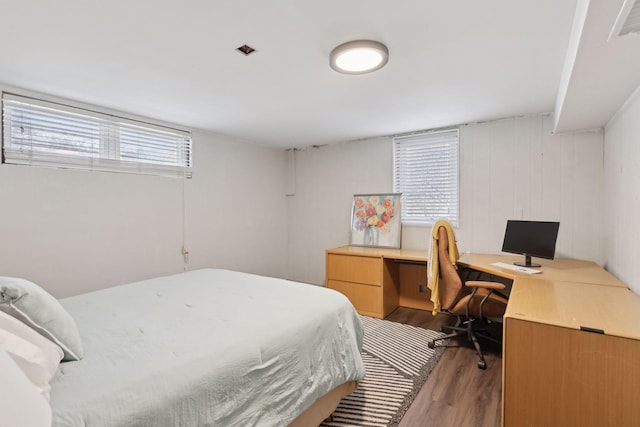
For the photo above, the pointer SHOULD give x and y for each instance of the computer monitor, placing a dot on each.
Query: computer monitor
(531, 239)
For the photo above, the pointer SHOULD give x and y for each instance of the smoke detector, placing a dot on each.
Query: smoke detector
(246, 49)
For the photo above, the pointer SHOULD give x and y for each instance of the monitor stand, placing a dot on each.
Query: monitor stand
(527, 262)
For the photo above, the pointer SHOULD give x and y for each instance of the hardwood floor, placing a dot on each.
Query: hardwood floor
(456, 392)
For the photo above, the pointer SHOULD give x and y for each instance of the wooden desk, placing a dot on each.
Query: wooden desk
(554, 373)
(378, 280)
(569, 270)
(614, 310)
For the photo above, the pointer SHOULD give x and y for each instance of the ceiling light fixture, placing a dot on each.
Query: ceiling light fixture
(359, 57)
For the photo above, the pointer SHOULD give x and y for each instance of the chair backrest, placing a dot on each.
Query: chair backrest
(450, 282)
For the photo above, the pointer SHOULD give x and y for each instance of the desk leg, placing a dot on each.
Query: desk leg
(390, 287)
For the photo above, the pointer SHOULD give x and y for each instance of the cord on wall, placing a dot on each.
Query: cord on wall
(291, 172)
(185, 249)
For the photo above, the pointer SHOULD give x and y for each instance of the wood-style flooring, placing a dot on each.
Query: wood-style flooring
(456, 393)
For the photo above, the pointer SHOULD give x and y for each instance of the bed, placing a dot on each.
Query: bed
(208, 347)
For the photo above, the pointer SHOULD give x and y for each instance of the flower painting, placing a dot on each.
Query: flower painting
(375, 220)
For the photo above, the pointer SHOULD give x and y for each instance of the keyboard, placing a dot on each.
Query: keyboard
(516, 268)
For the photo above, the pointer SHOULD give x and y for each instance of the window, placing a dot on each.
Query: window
(425, 171)
(42, 133)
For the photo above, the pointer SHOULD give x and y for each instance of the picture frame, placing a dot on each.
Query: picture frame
(375, 220)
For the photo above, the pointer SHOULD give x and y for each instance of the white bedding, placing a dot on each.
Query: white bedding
(207, 347)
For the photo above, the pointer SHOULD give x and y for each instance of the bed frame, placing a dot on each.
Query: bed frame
(324, 406)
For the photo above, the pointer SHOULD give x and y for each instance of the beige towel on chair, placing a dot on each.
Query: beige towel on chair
(433, 272)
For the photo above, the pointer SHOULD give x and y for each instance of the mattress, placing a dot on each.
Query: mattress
(206, 347)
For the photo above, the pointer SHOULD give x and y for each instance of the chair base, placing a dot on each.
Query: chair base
(468, 328)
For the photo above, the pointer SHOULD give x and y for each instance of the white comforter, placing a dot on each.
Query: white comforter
(207, 347)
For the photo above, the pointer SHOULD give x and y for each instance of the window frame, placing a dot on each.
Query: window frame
(442, 142)
(62, 135)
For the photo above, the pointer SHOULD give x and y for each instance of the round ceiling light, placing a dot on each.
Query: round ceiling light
(359, 57)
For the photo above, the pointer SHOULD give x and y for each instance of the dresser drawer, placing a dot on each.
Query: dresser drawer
(367, 299)
(357, 269)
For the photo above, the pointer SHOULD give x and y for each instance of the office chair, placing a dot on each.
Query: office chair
(473, 304)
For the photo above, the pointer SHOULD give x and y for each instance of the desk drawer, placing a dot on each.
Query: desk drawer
(357, 269)
(367, 299)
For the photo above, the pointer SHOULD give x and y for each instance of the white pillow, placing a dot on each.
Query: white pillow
(35, 307)
(38, 357)
(20, 403)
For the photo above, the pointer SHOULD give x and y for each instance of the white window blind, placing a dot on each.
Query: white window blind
(426, 173)
(42, 133)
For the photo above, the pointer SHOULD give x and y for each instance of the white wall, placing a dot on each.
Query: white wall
(517, 169)
(236, 210)
(76, 231)
(512, 168)
(622, 193)
(326, 179)
(72, 231)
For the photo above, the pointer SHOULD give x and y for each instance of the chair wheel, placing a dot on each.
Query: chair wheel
(482, 364)
(431, 344)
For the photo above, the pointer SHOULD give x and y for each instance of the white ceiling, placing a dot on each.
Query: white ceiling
(451, 62)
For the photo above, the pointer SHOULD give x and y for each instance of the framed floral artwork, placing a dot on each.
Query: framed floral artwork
(375, 220)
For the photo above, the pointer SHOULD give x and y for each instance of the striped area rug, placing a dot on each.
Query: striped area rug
(397, 362)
